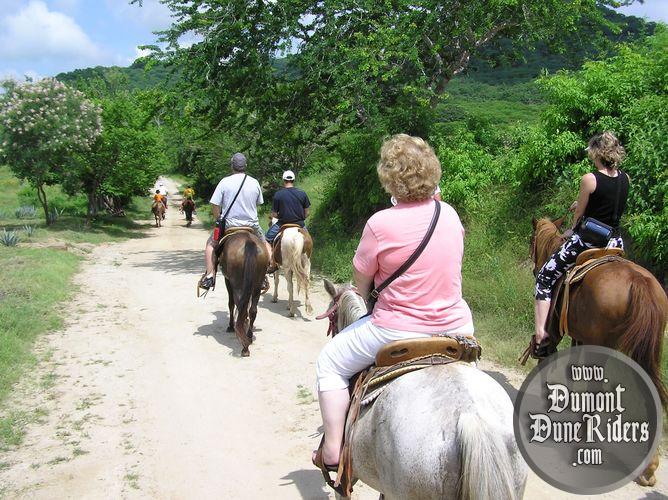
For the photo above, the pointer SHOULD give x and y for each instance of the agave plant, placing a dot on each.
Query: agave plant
(54, 214)
(9, 238)
(26, 212)
(29, 230)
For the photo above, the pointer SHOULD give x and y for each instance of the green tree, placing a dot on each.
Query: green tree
(628, 95)
(43, 126)
(122, 160)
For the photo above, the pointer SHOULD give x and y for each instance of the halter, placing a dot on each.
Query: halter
(333, 312)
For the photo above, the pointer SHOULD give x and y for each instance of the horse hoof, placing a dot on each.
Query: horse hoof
(230, 329)
(274, 300)
(245, 353)
(291, 314)
(644, 481)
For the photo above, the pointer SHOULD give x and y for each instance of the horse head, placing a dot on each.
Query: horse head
(347, 306)
(546, 238)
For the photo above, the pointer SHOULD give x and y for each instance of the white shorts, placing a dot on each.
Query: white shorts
(355, 348)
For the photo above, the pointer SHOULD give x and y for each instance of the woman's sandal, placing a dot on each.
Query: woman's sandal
(326, 468)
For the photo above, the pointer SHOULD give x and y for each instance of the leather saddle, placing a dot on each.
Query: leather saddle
(392, 361)
(276, 245)
(464, 349)
(557, 319)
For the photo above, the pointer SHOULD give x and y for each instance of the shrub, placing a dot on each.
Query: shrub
(9, 238)
(26, 212)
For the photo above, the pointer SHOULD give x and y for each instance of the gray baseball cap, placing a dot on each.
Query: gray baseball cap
(238, 162)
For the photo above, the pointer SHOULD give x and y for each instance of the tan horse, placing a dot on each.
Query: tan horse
(158, 209)
(243, 259)
(618, 305)
(293, 255)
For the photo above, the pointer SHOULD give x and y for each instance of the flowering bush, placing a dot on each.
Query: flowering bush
(42, 125)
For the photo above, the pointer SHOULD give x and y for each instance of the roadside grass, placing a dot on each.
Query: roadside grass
(35, 280)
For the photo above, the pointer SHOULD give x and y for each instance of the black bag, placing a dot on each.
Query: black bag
(221, 222)
(594, 231)
(373, 295)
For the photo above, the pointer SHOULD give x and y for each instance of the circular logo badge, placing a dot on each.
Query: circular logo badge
(588, 420)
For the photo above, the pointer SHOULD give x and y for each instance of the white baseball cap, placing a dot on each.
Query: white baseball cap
(288, 175)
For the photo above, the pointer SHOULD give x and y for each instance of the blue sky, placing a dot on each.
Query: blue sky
(44, 37)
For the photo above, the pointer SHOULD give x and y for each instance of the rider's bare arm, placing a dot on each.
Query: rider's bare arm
(215, 211)
(306, 212)
(587, 186)
(362, 282)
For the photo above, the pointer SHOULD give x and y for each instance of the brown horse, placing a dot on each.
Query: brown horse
(188, 206)
(618, 305)
(243, 259)
(158, 209)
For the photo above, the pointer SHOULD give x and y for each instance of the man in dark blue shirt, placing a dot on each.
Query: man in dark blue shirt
(290, 206)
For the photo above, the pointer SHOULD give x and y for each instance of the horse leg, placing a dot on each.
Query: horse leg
(291, 303)
(274, 299)
(252, 314)
(307, 269)
(230, 304)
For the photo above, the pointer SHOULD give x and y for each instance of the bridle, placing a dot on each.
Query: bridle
(333, 312)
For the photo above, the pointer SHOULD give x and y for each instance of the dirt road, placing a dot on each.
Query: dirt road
(144, 395)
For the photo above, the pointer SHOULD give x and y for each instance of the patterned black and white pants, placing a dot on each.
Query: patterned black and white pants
(562, 261)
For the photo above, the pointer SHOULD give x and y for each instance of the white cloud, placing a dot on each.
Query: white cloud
(36, 33)
(152, 14)
(141, 52)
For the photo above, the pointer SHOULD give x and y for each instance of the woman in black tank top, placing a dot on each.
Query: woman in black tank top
(602, 196)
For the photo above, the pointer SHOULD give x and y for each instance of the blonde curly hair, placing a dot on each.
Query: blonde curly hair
(408, 169)
(606, 148)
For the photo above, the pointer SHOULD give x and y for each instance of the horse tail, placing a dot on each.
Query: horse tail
(487, 467)
(247, 283)
(293, 257)
(643, 332)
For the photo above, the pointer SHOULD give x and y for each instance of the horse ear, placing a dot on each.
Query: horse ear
(534, 222)
(331, 289)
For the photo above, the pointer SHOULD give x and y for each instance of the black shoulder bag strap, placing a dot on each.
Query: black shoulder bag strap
(373, 296)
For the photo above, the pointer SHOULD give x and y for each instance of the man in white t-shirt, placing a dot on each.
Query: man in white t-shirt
(243, 211)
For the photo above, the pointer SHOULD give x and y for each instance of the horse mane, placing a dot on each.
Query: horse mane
(546, 239)
(351, 308)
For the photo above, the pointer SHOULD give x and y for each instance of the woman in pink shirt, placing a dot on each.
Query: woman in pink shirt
(426, 300)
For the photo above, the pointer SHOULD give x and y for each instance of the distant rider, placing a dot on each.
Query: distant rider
(290, 206)
(188, 193)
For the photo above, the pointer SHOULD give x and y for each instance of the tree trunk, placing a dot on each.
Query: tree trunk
(92, 205)
(42, 199)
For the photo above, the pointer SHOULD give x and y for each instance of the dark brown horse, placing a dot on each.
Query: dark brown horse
(243, 260)
(618, 305)
(158, 209)
(188, 207)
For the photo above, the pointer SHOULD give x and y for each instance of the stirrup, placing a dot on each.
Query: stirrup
(207, 284)
(326, 469)
(536, 350)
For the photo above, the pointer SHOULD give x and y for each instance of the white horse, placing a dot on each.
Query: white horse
(444, 432)
(294, 262)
